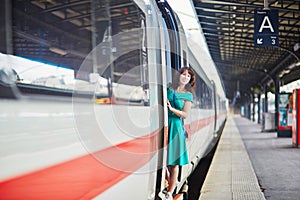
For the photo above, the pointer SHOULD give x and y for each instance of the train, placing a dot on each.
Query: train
(83, 100)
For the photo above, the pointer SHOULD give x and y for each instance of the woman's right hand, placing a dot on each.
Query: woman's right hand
(168, 104)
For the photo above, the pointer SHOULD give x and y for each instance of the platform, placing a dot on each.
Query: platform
(275, 161)
(248, 161)
(231, 175)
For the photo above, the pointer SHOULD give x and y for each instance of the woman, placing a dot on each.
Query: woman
(180, 98)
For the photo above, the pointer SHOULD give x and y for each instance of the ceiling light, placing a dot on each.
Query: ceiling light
(58, 51)
(296, 47)
(291, 66)
(280, 74)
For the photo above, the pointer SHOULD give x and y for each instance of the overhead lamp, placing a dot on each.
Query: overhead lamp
(291, 66)
(297, 64)
(58, 51)
(296, 47)
(281, 74)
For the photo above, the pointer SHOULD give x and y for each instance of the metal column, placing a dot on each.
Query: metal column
(253, 106)
(276, 101)
(258, 109)
(266, 98)
(6, 27)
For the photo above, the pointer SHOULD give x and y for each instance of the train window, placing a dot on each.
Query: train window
(184, 58)
(122, 55)
(49, 44)
(97, 48)
(203, 99)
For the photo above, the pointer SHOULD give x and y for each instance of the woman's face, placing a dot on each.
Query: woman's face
(185, 77)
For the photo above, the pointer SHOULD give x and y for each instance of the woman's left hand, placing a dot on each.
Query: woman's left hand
(169, 105)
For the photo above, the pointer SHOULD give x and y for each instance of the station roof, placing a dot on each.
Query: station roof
(59, 31)
(228, 27)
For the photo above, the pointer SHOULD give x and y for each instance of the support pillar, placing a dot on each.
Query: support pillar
(258, 109)
(6, 27)
(253, 106)
(249, 108)
(276, 101)
(266, 98)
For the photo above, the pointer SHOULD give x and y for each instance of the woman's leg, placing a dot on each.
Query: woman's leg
(167, 177)
(173, 178)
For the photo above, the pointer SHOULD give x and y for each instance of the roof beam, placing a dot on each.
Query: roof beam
(256, 6)
(65, 6)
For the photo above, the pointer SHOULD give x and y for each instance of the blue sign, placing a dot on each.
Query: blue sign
(266, 28)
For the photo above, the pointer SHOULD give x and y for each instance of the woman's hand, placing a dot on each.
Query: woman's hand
(169, 105)
(175, 111)
(180, 113)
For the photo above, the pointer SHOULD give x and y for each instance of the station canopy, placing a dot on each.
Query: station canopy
(228, 27)
(64, 33)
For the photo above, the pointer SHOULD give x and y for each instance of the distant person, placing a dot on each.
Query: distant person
(180, 98)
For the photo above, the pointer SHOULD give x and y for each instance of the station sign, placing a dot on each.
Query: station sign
(266, 28)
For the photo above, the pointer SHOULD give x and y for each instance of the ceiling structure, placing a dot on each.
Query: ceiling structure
(228, 27)
(59, 32)
(51, 30)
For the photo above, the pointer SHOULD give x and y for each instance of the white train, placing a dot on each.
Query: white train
(103, 134)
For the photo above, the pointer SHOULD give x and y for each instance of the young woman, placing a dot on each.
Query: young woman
(180, 98)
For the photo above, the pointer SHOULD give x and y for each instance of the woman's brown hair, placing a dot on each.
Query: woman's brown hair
(191, 86)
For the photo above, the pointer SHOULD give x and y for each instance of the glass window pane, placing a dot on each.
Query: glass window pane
(93, 47)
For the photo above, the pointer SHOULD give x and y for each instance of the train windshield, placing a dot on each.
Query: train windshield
(93, 47)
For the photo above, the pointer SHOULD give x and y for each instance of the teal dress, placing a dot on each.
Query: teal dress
(177, 151)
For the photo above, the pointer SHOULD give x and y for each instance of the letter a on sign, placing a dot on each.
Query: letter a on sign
(263, 25)
(265, 28)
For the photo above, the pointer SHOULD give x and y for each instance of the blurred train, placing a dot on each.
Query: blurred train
(98, 130)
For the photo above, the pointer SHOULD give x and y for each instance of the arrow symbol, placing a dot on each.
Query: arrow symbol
(259, 41)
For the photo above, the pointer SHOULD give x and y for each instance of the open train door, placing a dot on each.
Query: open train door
(171, 62)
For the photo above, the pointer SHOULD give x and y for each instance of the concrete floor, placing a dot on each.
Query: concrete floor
(275, 162)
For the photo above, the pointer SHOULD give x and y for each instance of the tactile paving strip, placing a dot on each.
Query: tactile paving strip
(231, 175)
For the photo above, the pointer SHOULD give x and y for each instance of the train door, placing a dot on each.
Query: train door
(170, 63)
(175, 57)
(185, 170)
(214, 93)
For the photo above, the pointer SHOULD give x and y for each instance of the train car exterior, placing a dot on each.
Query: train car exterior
(83, 99)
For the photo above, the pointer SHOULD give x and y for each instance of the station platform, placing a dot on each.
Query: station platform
(251, 164)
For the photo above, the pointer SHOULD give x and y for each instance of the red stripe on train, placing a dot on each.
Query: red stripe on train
(89, 175)
(191, 128)
(84, 177)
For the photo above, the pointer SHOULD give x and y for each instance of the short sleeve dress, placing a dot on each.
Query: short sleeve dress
(177, 151)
